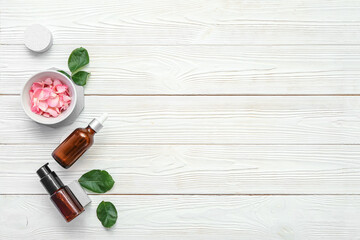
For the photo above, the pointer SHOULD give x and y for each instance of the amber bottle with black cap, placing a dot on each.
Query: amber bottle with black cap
(61, 195)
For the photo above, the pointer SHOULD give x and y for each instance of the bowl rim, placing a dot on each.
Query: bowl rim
(44, 120)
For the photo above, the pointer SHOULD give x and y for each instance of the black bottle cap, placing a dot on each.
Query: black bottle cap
(49, 179)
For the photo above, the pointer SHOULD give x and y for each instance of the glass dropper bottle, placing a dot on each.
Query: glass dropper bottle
(78, 142)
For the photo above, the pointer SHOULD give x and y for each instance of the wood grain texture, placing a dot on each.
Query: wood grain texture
(202, 169)
(188, 217)
(185, 166)
(196, 69)
(199, 120)
(136, 22)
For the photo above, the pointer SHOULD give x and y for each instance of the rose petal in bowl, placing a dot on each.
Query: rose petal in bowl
(53, 102)
(57, 82)
(60, 88)
(44, 94)
(36, 85)
(43, 105)
(49, 97)
(52, 112)
(48, 81)
(66, 98)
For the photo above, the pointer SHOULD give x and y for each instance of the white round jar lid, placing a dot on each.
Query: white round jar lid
(38, 38)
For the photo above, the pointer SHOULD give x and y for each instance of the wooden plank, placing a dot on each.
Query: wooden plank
(196, 69)
(188, 217)
(202, 169)
(199, 120)
(186, 22)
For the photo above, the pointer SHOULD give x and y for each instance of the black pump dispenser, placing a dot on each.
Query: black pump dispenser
(49, 179)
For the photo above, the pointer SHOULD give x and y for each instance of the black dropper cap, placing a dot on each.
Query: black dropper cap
(49, 179)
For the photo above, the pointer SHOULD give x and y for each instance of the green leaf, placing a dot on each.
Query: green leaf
(78, 59)
(98, 181)
(80, 78)
(65, 73)
(107, 214)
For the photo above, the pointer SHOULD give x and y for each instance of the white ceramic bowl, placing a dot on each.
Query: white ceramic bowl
(25, 97)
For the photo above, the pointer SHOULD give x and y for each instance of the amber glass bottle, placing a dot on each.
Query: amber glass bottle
(66, 203)
(76, 144)
(61, 195)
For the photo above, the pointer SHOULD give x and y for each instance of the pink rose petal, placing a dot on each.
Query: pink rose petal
(34, 109)
(57, 82)
(53, 93)
(60, 104)
(65, 106)
(49, 97)
(42, 105)
(52, 112)
(36, 85)
(66, 98)
(60, 88)
(37, 93)
(48, 81)
(44, 94)
(53, 102)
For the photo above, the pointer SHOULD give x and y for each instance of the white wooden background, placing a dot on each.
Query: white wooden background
(229, 119)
